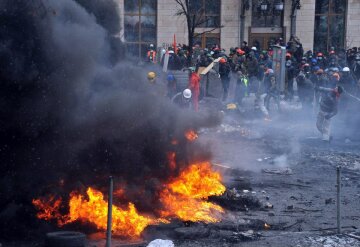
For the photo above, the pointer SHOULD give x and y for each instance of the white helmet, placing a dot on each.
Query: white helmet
(254, 48)
(346, 69)
(187, 93)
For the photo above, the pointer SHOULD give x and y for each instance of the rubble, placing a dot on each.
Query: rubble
(329, 241)
(284, 171)
(238, 200)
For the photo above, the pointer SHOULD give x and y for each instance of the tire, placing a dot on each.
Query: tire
(65, 239)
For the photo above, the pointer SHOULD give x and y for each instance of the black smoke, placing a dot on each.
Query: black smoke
(72, 113)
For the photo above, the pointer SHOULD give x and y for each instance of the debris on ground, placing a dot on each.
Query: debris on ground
(329, 241)
(285, 171)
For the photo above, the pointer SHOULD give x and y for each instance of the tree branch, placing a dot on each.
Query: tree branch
(208, 31)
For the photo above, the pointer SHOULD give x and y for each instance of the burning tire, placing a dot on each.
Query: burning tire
(62, 239)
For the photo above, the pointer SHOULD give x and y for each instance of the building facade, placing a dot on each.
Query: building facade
(319, 24)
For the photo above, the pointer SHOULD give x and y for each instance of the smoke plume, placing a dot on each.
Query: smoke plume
(71, 111)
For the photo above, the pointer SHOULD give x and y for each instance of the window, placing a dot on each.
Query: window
(140, 26)
(329, 24)
(208, 12)
(207, 40)
(271, 18)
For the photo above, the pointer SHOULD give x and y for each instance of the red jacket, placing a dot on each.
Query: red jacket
(194, 86)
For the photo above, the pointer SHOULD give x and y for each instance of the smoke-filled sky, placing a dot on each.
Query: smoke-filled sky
(71, 109)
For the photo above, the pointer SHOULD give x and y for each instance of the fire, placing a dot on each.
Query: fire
(172, 161)
(126, 222)
(191, 135)
(183, 197)
(50, 210)
(198, 181)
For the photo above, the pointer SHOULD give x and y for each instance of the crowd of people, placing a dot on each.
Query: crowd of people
(315, 78)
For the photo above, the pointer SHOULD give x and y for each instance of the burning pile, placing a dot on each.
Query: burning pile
(182, 197)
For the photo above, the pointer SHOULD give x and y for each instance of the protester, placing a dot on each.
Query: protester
(328, 109)
(194, 86)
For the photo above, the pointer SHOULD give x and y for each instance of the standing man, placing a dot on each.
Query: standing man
(328, 109)
(151, 54)
(194, 86)
(224, 71)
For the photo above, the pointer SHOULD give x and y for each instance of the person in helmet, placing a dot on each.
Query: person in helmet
(224, 72)
(194, 86)
(270, 90)
(347, 80)
(321, 61)
(151, 76)
(333, 80)
(291, 72)
(328, 109)
(241, 89)
(319, 79)
(305, 91)
(183, 99)
(151, 54)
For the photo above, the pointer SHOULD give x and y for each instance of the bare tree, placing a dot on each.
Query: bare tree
(194, 18)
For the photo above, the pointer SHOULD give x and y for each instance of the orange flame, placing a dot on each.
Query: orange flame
(191, 135)
(198, 181)
(172, 161)
(50, 210)
(184, 198)
(126, 222)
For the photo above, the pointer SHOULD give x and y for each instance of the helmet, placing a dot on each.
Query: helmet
(346, 69)
(151, 75)
(222, 60)
(313, 60)
(170, 77)
(254, 48)
(269, 71)
(288, 54)
(337, 76)
(320, 72)
(187, 93)
(332, 52)
(241, 52)
(320, 54)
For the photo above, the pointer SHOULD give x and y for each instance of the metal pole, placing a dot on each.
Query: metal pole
(109, 219)
(338, 215)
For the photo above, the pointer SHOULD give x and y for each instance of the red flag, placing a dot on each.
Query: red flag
(174, 44)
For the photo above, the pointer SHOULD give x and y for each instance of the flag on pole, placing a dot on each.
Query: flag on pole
(174, 44)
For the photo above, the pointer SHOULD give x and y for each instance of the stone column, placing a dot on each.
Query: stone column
(305, 23)
(353, 24)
